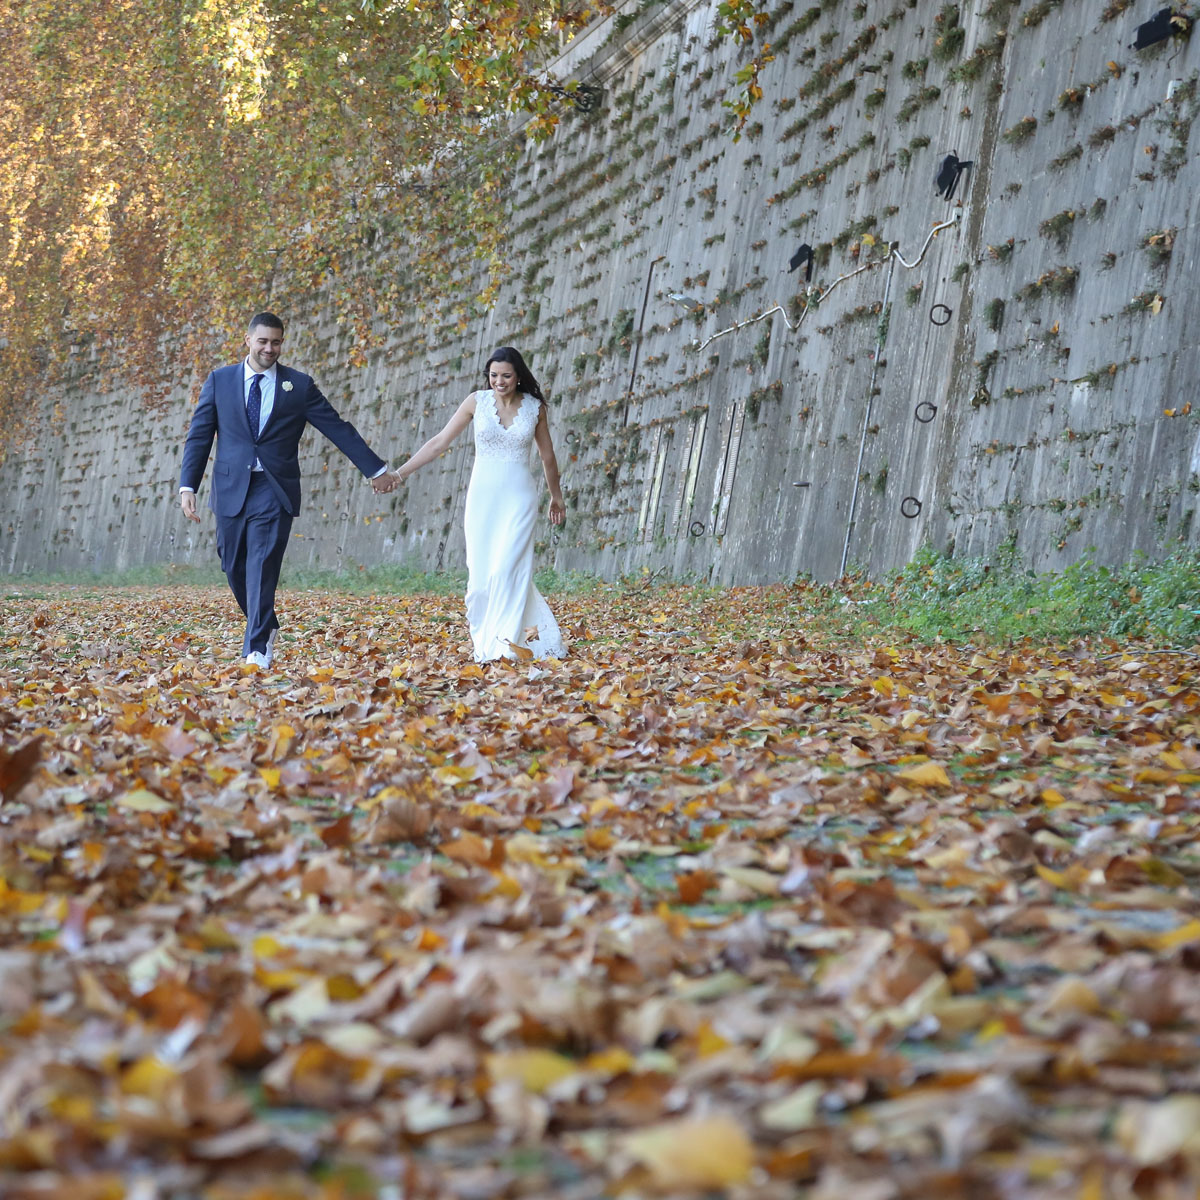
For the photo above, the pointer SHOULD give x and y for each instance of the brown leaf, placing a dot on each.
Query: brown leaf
(471, 848)
(340, 833)
(17, 767)
(400, 819)
(692, 885)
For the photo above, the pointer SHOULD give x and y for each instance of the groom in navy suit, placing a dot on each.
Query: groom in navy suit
(257, 410)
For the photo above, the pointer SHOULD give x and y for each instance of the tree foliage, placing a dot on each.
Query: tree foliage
(170, 167)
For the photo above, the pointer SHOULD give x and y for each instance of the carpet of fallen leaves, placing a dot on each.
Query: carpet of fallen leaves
(716, 906)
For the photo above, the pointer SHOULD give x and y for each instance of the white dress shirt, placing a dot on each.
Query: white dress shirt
(266, 387)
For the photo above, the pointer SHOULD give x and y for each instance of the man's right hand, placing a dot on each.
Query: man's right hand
(187, 501)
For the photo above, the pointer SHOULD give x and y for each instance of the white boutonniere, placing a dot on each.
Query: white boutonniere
(287, 385)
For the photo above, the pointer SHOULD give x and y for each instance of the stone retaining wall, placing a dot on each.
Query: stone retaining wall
(1022, 376)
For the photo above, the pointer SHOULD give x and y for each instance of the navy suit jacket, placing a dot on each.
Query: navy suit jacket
(221, 413)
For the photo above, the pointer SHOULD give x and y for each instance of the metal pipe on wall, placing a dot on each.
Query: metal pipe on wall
(862, 442)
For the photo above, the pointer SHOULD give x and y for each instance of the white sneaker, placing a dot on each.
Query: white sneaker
(257, 659)
(271, 646)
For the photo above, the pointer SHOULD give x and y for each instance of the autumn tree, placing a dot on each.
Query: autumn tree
(167, 164)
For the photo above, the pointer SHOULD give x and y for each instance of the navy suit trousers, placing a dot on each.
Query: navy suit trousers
(251, 545)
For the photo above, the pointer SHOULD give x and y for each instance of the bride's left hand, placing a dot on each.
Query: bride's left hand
(558, 512)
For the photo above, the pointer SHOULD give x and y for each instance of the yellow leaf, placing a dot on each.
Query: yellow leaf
(77, 1110)
(1092, 1187)
(215, 936)
(280, 741)
(141, 800)
(1181, 935)
(1154, 775)
(1162, 873)
(616, 1060)
(929, 774)
(703, 1152)
(265, 946)
(535, 1070)
(1070, 879)
(709, 1041)
(270, 776)
(506, 886)
(430, 939)
(148, 1077)
(279, 981)
(454, 776)
(479, 810)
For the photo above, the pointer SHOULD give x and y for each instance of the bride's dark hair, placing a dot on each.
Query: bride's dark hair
(525, 380)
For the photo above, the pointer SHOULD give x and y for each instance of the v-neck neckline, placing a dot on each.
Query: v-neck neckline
(496, 410)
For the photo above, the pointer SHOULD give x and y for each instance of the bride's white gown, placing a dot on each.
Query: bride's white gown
(503, 606)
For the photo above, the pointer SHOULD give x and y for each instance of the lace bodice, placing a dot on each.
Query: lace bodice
(492, 440)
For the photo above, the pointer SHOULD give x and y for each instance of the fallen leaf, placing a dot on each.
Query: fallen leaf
(17, 767)
(698, 1152)
(141, 800)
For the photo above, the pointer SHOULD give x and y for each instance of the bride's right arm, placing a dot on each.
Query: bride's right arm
(440, 442)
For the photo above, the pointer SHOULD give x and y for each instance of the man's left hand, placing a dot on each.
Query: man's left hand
(382, 484)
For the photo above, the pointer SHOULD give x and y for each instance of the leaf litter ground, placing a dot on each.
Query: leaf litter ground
(722, 905)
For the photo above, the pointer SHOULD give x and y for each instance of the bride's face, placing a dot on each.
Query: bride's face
(502, 377)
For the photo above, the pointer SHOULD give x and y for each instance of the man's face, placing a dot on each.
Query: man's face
(264, 344)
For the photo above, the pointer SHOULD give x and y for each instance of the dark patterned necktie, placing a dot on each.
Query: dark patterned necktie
(254, 406)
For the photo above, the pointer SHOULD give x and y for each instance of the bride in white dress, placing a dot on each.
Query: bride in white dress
(504, 609)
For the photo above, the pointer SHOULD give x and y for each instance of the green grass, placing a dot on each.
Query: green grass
(386, 578)
(391, 578)
(936, 597)
(153, 575)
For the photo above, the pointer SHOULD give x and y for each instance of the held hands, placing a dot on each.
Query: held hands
(382, 484)
(558, 512)
(187, 502)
